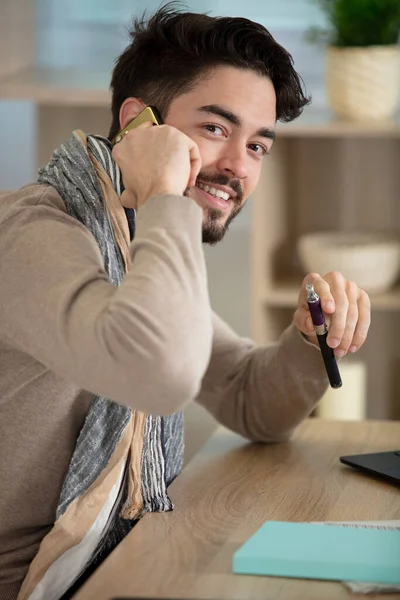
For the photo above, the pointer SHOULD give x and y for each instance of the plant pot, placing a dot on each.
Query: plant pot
(364, 83)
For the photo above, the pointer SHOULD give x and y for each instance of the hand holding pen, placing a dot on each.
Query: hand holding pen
(321, 331)
(344, 305)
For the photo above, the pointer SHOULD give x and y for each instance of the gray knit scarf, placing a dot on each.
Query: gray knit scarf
(71, 172)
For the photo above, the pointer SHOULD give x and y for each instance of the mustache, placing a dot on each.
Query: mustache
(221, 179)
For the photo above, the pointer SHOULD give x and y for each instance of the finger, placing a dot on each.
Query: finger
(128, 200)
(352, 317)
(144, 125)
(364, 321)
(195, 163)
(323, 290)
(303, 321)
(334, 303)
(302, 317)
(117, 149)
(339, 317)
(323, 287)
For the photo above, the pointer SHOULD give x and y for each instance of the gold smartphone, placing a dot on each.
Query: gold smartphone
(147, 114)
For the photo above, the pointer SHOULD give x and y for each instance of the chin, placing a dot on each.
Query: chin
(215, 227)
(216, 224)
(212, 237)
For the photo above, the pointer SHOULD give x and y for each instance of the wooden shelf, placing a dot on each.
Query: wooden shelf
(58, 87)
(284, 295)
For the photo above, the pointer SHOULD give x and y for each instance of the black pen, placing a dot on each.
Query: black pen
(321, 329)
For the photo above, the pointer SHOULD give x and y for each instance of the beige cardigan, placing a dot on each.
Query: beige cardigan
(153, 343)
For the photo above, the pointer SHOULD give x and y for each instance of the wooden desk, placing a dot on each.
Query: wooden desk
(227, 491)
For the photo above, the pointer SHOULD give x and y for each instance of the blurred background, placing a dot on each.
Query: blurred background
(335, 169)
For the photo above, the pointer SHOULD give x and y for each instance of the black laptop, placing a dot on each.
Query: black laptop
(382, 464)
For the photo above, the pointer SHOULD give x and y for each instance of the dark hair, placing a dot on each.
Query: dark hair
(172, 50)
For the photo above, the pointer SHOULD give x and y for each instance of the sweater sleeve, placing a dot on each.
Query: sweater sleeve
(263, 393)
(146, 343)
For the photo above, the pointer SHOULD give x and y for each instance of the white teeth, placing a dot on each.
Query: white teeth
(220, 194)
(214, 191)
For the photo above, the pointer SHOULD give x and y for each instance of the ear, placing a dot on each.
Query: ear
(130, 108)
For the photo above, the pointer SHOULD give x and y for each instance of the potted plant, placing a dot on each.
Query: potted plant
(363, 58)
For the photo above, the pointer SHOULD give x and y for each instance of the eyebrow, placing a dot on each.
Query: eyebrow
(225, 113)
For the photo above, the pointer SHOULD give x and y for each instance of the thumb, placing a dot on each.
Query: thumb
(195, 164)
(128, 200)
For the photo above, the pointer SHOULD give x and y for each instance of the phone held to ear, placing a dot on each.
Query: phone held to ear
(147, 114)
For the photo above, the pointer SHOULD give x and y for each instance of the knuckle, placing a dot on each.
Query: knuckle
(311, 277)
(335, 277)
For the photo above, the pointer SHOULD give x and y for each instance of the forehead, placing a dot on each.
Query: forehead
(249, 95)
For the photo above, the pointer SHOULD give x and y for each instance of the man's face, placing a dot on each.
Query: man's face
(231, 116)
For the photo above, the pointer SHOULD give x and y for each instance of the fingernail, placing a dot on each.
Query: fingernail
(329, 305)
(333, 342)
(353, 349)
(339, 352)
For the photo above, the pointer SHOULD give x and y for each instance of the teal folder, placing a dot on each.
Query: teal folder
(311, 551)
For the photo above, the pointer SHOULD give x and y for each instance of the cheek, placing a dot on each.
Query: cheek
(209, 151)
(250, 183)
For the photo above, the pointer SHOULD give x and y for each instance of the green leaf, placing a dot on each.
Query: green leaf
(360, 22)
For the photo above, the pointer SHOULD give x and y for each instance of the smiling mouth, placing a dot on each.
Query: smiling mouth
(209, 201)
(213, 191)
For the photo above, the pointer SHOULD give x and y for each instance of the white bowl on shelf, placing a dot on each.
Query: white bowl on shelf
(370, 259)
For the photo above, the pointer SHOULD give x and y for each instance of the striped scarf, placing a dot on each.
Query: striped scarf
(123, 460)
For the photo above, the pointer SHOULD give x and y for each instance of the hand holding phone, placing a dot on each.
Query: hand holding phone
(154, 160)
(147, 115)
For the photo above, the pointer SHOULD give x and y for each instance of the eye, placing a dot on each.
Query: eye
(258, 149)
(215, 129)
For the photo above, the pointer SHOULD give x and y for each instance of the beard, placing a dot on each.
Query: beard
(213, 230)
(214, 226)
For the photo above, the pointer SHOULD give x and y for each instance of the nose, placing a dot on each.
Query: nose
(233, 162)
